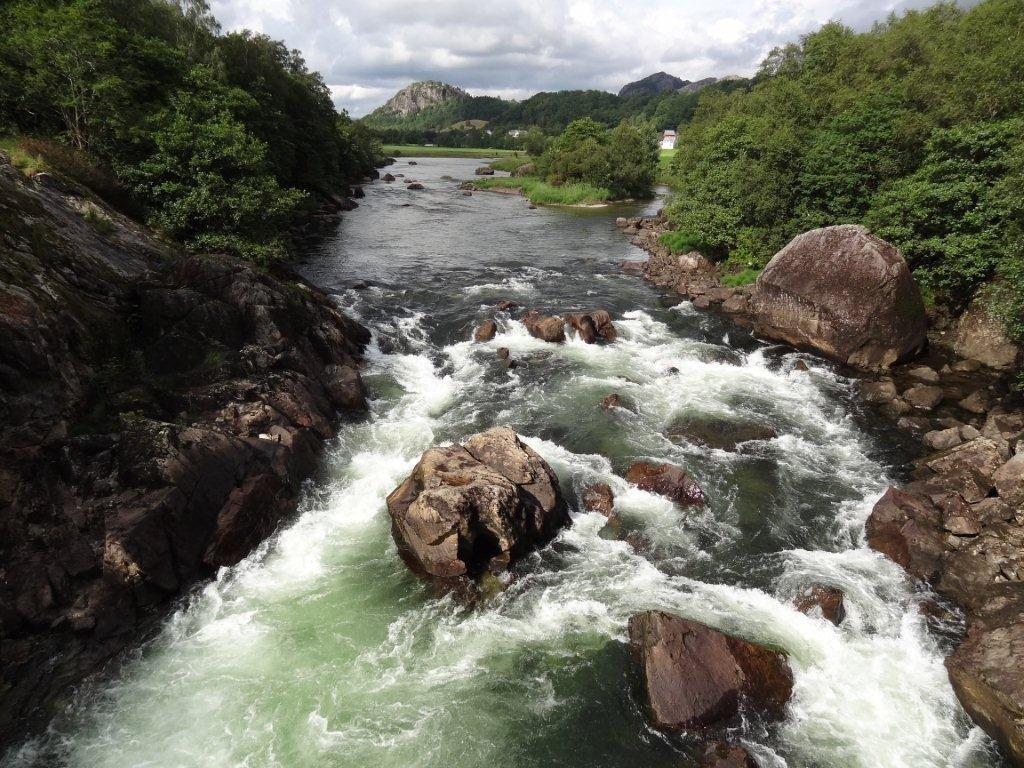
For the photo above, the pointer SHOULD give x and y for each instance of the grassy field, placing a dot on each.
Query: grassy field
(511, 163)
(417, 150)
(664, 159)
(542, 193)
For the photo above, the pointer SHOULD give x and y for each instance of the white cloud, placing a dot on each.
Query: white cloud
(513, 48)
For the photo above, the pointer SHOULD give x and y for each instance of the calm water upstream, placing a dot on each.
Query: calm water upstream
(322, 650)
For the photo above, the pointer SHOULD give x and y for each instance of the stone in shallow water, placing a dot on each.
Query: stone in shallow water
(824, 601)
(695, 676)
(715, 432)
(666, 480)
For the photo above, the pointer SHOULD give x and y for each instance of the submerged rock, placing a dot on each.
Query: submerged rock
(479, 506)
(824, 601)
(666, 480)
(720, 433)
(844, 293)
(599, 497)
(722, 755)
(695, 677)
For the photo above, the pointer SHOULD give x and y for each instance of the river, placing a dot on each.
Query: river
(321, 649)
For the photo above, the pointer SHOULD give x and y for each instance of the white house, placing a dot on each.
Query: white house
(515, 133)
(668, 139)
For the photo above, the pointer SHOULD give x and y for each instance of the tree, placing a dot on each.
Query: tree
(208, 182)
(535, 141)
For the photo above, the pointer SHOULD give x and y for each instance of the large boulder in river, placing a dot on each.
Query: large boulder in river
(665, 480)
(544, 327)
(844, 293)
(476, 507)
(695, 677)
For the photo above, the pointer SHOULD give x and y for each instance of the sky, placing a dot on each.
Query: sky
(368, 49)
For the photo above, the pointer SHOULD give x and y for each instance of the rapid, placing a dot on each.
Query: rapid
(321, 649)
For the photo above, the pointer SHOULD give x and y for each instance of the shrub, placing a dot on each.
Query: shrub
(745, 277)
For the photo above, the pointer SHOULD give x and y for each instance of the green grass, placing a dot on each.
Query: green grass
(736, 279)
(22, 160)
(663, 175)
(541, 193)
(417, 150)
(510, 164)
(680, 242)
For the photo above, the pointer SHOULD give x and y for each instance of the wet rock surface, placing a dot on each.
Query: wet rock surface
(158, 415)
(666, 480)
(959, 526)
(476, 507)
(697, 678)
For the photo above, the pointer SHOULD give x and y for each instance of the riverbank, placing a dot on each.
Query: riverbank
(959, 526)
(160, 415)
(418, 150)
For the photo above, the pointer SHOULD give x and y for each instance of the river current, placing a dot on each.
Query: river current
(321, 649)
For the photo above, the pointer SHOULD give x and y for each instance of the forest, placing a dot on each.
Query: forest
(216, 140)
(914, 128)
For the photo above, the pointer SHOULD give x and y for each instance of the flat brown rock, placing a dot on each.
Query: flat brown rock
(696, 677)
(666, 480)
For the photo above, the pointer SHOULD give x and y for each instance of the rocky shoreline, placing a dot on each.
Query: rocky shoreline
(159, 414)
(958, 526)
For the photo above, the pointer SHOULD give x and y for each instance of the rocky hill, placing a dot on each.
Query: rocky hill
(659, 82)
(416, 97)
(158, 415)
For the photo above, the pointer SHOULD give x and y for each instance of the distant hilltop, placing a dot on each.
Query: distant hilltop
(430, 106)
(661, 82)
(416, 97)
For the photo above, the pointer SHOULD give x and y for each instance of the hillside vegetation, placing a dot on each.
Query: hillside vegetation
(913, 128)
(549, 112)
(218, 139)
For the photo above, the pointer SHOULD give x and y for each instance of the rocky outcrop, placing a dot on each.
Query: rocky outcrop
(986, 671)
(696, 677)
(416, 97)
(484, 170)
(652, 85)
(666, 480)
(475, 508)
(843, 293)
(158, 414)
(960, 527)
(982, 337)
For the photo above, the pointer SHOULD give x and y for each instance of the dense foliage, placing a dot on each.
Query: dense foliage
(221, 138)
(913, 128)
(622, 160)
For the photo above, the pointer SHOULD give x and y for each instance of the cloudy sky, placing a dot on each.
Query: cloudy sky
(368, 49)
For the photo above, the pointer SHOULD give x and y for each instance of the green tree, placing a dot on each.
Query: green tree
(208, 182)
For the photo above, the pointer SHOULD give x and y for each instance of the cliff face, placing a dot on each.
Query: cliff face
(419, 96)
(158, 414)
